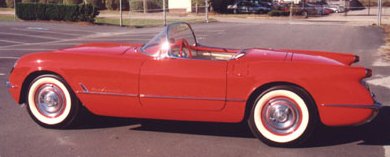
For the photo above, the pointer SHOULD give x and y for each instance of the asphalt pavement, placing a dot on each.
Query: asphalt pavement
(104, 136)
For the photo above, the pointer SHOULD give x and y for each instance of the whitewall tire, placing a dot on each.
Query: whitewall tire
(283, 116)
(51, 103)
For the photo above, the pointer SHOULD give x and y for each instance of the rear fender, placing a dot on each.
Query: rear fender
(345, 58)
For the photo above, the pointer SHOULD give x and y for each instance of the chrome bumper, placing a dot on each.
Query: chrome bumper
(9, 85)
(376, 108)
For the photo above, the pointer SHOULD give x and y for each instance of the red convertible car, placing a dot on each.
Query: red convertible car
(282, 94)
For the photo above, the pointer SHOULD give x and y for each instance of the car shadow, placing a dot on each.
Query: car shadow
(375, 133)
(90, 121)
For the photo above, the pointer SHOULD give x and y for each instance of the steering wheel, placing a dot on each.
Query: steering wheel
(183, 47)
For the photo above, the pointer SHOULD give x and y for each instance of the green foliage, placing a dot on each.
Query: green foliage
(112, 4)
(199, 2)
(10, 3)
(136, 5)
(26, 11)
(39, 11)
(68, 12)
(2, 3)
(278, 13)
(44, 1)
(96, 3)
(87, 13)
(152, 5)
(157, 4)
(72, 1)
(29, 1)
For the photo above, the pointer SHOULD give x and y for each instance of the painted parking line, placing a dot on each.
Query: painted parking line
(210, 30)
(113, 39)
(13, 42)
(26, 49)
(387, 151)
(380, 63)
(93, 37)
(70, 30)
(132, 36)
(2, 74)
(138, 34)
(65, 43)
(106, 34)
(9, 57)
(46, 31)
(38, 43)
(32, 36)
(380, 81)
(202, 35)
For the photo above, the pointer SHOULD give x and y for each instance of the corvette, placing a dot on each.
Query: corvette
(282, 94)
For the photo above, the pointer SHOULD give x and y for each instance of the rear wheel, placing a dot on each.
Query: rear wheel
(51, 103)
(283, 116)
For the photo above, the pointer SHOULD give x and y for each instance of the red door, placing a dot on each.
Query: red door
(183, 84)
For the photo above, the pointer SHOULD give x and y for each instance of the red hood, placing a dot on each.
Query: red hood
(102, 48)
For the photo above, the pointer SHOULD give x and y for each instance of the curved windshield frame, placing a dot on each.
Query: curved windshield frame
(160, 44)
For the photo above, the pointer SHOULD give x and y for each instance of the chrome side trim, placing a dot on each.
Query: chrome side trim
(86, 91)
(191, 98)
(235, 100)
(376, 106)
(107, 93)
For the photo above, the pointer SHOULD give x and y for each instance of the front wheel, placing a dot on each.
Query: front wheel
(283, 116)
(51, 103)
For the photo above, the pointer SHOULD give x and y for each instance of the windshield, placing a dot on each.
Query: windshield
(166, 41)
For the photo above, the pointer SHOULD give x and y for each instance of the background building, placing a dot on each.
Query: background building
(179, 6)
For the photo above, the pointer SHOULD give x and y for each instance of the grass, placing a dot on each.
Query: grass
(4, 17)
(146, 22)
(385, 49)
(6, 9)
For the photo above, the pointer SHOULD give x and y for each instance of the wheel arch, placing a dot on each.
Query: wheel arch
(255, 93)
(30, 77)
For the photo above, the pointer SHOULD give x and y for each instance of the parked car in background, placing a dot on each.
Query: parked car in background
(250, 7)
(336, 8)
(322, 10)
(305, 9)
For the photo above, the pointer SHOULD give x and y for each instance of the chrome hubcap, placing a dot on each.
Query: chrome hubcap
(281, 116)
(50, 100)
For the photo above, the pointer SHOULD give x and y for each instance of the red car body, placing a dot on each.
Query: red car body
(119, 80)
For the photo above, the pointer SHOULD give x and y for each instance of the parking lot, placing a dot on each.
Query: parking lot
(103, 136)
